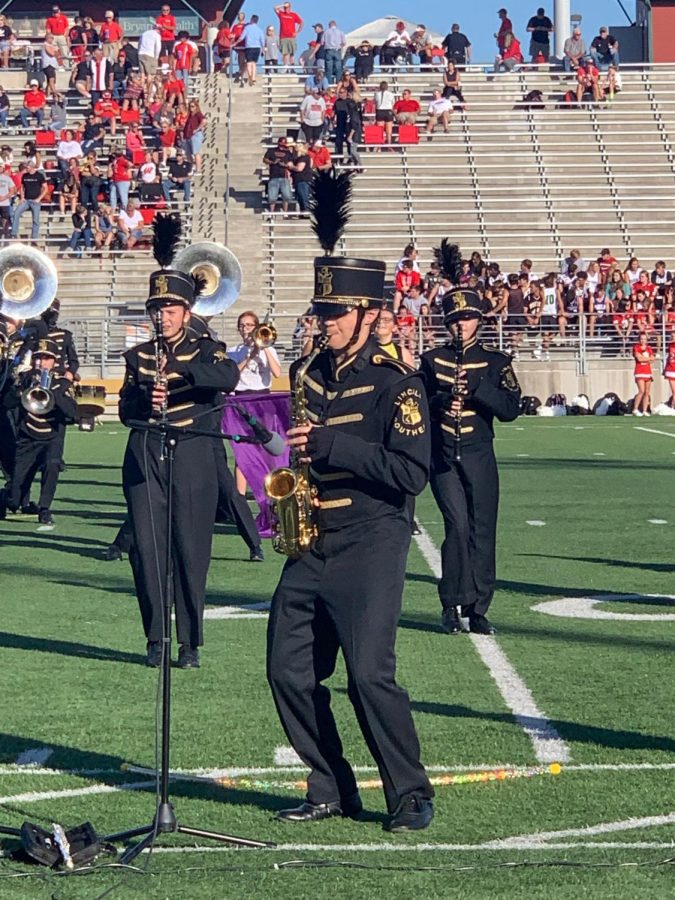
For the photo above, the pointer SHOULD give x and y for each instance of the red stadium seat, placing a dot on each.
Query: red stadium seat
(408, 134)
(137, 157)
(148, 214)
(45, 139)
(373, 134)
(130, 115)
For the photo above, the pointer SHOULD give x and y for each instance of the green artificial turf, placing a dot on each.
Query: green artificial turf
(74, 681)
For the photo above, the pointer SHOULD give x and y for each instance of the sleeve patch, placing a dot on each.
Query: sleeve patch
(509, 380)
(219, 356)
(408, 420)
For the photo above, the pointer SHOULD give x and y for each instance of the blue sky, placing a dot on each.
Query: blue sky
(478, 18)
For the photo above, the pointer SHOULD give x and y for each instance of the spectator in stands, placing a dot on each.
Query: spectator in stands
(278, 159)
(77, 40)
(93, 134)
(406, 278)
(478, 266)
(34, 103)
(347, 125)
(439, 108)
(32, 192)
(100, 75)
(82, 230)
(364, 61)
(415, 298)
(574, 50)
(661, 275)
(119, 178)
(541, 28)
(317, 50)
(133, 92)
(253, 40)
(300, 167)
(193, 132)
(406, 108)
(7, 38)
(90, 34)
(48, 63)
(104, 227)
(513, 300)
(410, 253)
(396, 48)
(69, 190)
(129, 52)
(108, 111)
(606, 262)
(80, 76)
(222, 47)
(452, 85)
(505, 27)
(334, 44)
(290, 24)
(616, 283)
(422, 44)
(350, 84)
(68, 148)
(317, 81)
(388, 337)
(110, 35)
(130, 225)
(384, 109)
(457, 46)
(588, 82)
(166, 22)
(605, 49)
(320, 156)
(120, 72)
(90, 181)
(632, 271)
(167, 141)
(148, 179)
(271, 50)
(238, 45)
(312, 115)
(611, 83)
(511, 56)
(405, 325)
(149, 51)
(31, 154)
(593, 277)
(56, 27)
(4, 107)
(179, 177)
(134, 140)
(7, 191)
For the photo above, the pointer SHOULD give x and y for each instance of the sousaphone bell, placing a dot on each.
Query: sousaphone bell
(28, 282)
(219, 268)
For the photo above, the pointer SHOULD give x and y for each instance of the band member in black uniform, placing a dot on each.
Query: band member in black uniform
(41, 434)
(468, 385)
(178, 379)
(67, 362)
(368, 443)
(9, 345)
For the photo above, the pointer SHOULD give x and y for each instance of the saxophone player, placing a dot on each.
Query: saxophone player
(469, 385)
(177, 377)
(366, 441)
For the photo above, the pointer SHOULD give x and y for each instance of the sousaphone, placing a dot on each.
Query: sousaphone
(28, 282)
(219, 268)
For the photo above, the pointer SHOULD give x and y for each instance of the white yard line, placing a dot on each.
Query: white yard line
(654, 431)
(34, 796)
(547, 744)
(431, 848)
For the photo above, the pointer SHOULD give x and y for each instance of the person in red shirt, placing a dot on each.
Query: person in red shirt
(186, 54)
(110, 34)
(320, 156)
(505, 27)
(669, 372)
(174, 90)
(166, 23)
(644, 284)
(109, 110)
(290, 24)
(511, 55)
(236, 31)
(406, 109)
(34, 103)
(167, 140)
(406, 278)
(222, 47)
(643, 356)
(57, 24)
(606, 261)
(119, 173)
(588, 81)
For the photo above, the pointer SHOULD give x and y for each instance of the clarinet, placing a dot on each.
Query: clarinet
(160, 380)
(458, 393)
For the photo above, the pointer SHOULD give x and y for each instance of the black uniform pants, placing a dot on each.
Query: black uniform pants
(231, 504)
(345, 595)
(7, 441)
(467, 494)
(33, 456)
(194, 499)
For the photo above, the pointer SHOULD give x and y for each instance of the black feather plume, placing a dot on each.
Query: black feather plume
(167, 230)
(201, 283)
(449, 258)
(329, 206)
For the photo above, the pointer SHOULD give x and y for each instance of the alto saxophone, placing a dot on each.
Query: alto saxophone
(289, 488)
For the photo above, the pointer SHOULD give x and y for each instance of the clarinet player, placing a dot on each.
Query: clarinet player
(468, 385)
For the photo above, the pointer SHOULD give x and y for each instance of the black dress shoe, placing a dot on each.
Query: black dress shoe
(188, 657)
(481, 625)
(415, 528)
(257, 554)
(351, 806)
(412, 814)
(30, 509)
(154, 657)
(112, 553)
(45, 520)
(450, 623)
(310, 812)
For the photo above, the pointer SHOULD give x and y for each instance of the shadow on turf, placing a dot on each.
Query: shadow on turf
(12, 641)
(604, 561)
(78, 546)
(576, 464)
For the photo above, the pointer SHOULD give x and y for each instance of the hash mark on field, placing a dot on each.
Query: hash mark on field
(37, 756)
(547, 743)
(286, 756)
(537, 522)
(657, 521)
(654, 431)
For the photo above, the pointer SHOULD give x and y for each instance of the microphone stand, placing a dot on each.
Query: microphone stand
(165, 821)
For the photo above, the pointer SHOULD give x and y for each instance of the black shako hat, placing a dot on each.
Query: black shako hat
(169, 287)
(458, 302)
(341, 283)
(46, 347)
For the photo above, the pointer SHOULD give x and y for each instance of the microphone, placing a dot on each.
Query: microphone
(270, 441)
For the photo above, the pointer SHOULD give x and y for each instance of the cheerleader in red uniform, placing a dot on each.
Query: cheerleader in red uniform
(669, 372)
(643, 356)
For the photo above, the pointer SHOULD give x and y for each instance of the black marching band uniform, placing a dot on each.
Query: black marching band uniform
(370, 453)
(67, 359)
(40, 436)
(197, 370)
(467, 489)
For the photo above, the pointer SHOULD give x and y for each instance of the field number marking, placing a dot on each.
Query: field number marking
(585, 608)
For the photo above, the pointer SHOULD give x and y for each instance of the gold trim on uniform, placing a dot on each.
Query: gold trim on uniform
(445, 377)
(312, 416)
(314, 385)
(186, 357)
(344, 420)
(46, 430)
(182, 424)
(445, 362)
(344, 365)
(383, 359)
(143, 355)
(467, 430)
(145, 371)
(453, 365)
(335, 504)
(183, 406)
(355, 392)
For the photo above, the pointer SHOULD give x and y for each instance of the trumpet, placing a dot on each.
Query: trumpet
(264, 335)
(39, 398)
